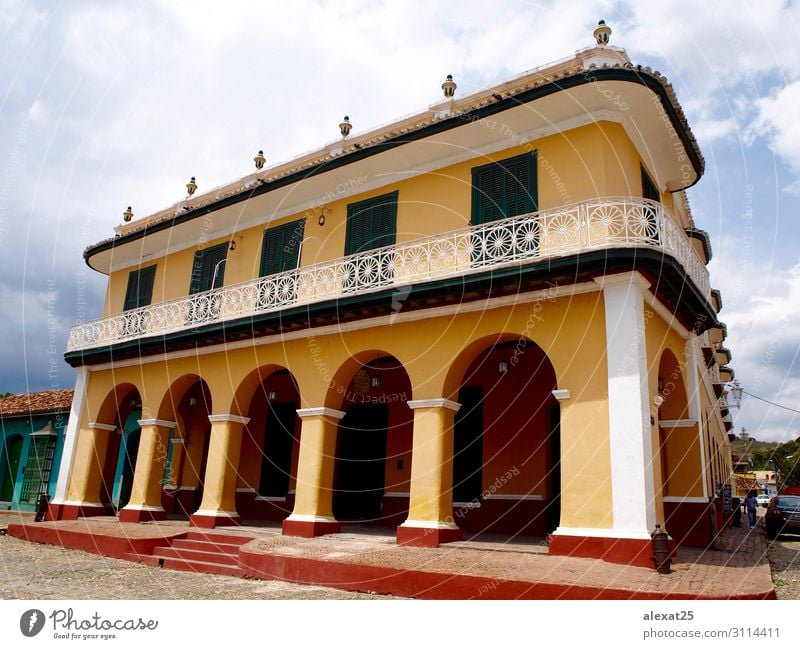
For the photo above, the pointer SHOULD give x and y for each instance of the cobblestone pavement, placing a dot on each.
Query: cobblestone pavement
(34, 571)
(784, 558)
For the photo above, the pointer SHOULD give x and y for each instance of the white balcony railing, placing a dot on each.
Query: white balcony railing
(581, 227)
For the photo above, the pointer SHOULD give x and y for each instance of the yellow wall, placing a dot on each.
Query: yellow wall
(594, 160)
(435, 352)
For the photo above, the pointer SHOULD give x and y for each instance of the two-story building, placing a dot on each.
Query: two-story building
(491, 316)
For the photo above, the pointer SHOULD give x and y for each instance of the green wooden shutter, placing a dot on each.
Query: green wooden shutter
(140, 288)
(371, 224)
(206, 262)
(505, 188)
(281, 247)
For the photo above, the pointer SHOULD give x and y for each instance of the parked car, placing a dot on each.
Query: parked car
(783, 515)
(763, 500)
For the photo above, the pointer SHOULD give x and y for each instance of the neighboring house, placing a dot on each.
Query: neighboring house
(32, 428)
(491, 316)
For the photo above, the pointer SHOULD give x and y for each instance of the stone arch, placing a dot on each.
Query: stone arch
(372, 472)
(507, 452)
(269, 398)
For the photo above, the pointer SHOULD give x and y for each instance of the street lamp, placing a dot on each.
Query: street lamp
(736, 391)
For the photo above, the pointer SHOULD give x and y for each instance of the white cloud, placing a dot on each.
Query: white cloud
(762, 313)
(777, 120)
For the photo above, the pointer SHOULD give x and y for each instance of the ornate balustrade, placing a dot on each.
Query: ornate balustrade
(617, 222)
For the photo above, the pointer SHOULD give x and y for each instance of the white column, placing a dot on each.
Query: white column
(631, 442)
(71, 435)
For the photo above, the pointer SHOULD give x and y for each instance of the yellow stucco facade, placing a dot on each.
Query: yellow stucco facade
(528, 356)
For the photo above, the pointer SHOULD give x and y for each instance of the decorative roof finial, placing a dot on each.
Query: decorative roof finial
(259, 160)
(127, 215)
(449, 87)
(191, 186)
(345, 127)
(602, 33)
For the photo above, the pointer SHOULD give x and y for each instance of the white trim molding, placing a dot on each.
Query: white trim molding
(320, 412)
(163, 423)
(466, 505)
(431, 525)
(603, 533)
(216, 513)
(271, 499)
(562, 395)
(235, 419)
(396, 494)
(311, 518)
(143, 508)
(98, 426)
(434, 403)
(677, 423)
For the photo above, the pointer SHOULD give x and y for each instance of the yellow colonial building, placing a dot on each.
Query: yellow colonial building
(493, 316)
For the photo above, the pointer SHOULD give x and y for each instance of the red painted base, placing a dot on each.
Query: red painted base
(427, 537)
(689, 523)
(210, 522)
(140, 515)
(309, 529)
(56, 512)
(632, 552)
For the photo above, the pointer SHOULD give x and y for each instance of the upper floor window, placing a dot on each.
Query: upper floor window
(140, 288)
(505, 188)
(208, 269)
(371, 224)
(280, 250)
(649, 189)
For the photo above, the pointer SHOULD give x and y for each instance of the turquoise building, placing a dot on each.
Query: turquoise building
(31, 441)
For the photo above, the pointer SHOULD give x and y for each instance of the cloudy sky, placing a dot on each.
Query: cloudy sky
(109, 104)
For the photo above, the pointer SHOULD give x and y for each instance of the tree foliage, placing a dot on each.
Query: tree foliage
(786, 458)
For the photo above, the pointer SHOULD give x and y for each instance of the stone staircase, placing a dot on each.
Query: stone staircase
(209, 552)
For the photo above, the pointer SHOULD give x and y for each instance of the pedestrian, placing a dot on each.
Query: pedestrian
(750, 503)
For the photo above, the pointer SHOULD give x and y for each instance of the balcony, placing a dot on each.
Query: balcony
(618, 222)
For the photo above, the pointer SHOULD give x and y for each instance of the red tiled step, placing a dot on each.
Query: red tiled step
(206, 546)
(208, 556)
(206, 567)
(217, 537)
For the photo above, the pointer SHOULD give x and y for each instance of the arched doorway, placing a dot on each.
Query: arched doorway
(126, 460)
(373, 451)
(11, 458)
(506, 461)
(270, 447)
(121, 407)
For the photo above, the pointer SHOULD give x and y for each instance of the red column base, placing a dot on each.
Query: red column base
(427, 537)
(140, 515)
(210, 521)
(631, 552)
(58, 512)
(310, 529)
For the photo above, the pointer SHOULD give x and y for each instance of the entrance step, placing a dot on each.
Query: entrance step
(206, 567)
(217, 537)
(206, 546)
(207, 556)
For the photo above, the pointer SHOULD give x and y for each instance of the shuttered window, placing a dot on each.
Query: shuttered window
(371, 224)
(280, 250)
(140, 288)
(649, 189)
(505, 188)
(208, 268)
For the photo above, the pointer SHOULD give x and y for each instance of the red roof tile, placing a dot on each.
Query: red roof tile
(34, 403)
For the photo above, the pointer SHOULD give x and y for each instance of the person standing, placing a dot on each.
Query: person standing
(750, 503)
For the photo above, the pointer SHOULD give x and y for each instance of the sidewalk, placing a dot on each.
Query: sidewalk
(369, 560)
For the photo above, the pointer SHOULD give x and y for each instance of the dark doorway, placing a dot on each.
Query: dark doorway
(468, 446)
(554, 475)
(276, 462)
(130, 450)
(361, 463)
(11, 466)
